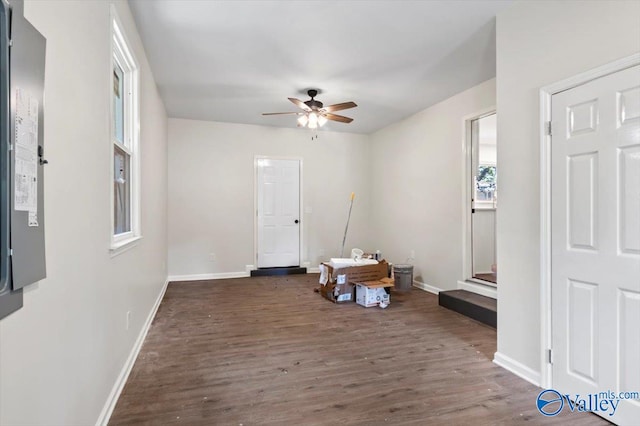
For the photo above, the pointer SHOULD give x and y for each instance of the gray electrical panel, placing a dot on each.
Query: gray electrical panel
(22, 220)
(27, 96)
(10, 300)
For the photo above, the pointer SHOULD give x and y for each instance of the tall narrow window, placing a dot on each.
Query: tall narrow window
(124, 140)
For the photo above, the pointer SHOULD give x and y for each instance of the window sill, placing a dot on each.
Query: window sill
(485, 205)
(124, 245)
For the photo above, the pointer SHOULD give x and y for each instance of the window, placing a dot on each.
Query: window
(484, 158)
(486, 183)
(124, 140)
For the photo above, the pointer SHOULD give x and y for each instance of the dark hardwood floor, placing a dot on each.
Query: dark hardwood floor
(268, 350)
(492, 277)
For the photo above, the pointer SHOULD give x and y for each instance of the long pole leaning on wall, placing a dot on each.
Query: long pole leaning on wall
(346, 228)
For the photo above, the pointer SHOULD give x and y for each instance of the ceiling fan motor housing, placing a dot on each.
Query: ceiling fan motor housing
(312, 103)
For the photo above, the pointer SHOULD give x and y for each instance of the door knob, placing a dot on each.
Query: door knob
(296, 221)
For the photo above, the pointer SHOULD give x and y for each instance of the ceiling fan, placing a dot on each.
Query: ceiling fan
(314, 114)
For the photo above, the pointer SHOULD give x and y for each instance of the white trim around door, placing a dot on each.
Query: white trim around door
(545, 198)
(467, 242)
(255, 203)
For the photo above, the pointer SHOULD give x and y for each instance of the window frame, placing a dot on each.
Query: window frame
(122, 55)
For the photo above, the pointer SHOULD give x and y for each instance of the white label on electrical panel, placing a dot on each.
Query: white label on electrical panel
(26, 153)
(33, 218)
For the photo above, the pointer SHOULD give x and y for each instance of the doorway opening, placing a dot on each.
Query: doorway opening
(477, 293)
(484, 202)
(278, 228)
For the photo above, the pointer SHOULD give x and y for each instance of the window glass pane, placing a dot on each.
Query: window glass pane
(121, 192)
(486, 183)
(485, 161)
(118, 103)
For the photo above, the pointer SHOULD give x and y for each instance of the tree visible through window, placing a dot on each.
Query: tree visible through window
(486, 183)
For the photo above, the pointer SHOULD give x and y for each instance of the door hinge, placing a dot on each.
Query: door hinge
(549, 356)
(10, 252)
(548, 128)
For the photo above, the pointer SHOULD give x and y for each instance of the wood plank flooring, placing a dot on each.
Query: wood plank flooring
(492, 277)
(271, 351)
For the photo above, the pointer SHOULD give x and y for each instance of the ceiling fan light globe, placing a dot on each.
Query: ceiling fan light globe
(302, 120)
(313, 120)
(322, 120)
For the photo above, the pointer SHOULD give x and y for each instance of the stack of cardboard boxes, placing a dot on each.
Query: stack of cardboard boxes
(367, 285)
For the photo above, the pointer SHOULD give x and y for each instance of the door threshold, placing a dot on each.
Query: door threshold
(479, 287)
(491, 277)
(483, 282)
(278, 271)
(470, 304)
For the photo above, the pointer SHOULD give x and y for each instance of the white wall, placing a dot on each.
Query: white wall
(61, 354)
(417, 182)
(539, 43)
(211, 192)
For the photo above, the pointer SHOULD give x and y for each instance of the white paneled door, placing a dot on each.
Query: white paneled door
(278, 210)
(595, 241)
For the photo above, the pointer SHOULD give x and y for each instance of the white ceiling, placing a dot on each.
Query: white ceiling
(232, 60)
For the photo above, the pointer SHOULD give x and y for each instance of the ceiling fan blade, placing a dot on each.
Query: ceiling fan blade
(336, 117)
(338, 107)
(279, 113)
(300, 104)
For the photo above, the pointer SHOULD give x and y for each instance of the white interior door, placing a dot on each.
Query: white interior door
(278, 210)
(595, 240)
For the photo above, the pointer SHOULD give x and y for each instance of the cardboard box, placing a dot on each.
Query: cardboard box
(360, 273)
(372, 293)
(340, 291)
(341, 287)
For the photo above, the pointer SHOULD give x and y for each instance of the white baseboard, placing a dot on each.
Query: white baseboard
(118, 386)
(216, 276)
(224, 275)
(480, 289)
(517, 368)
(426, 287)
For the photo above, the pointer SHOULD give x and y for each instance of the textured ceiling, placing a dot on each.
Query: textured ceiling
(230, 61)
